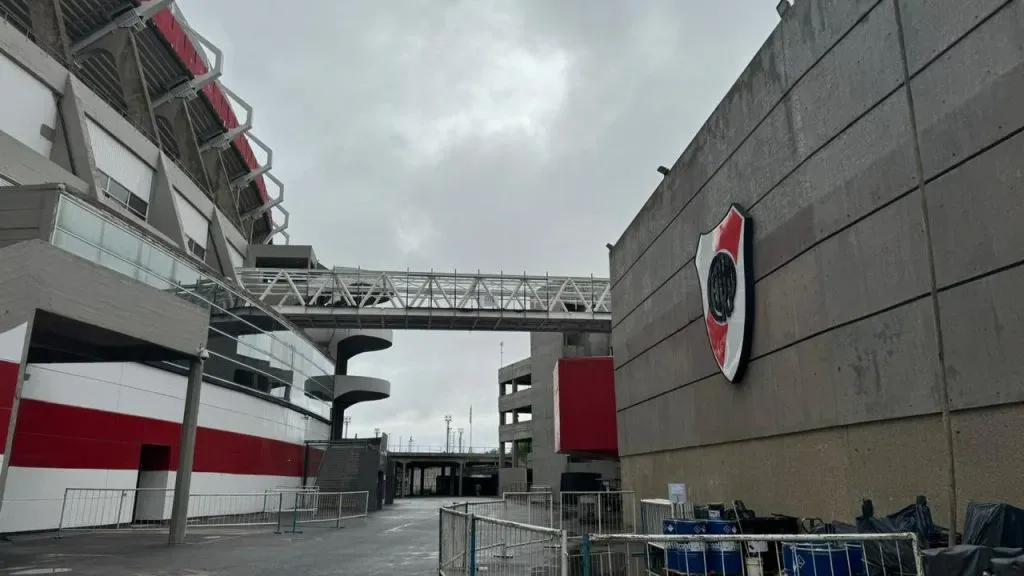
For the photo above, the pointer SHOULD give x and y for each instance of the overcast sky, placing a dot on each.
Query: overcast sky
(472, 134)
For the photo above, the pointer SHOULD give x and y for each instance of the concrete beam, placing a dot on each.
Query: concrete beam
(175, 113)
(124, 49)
(186, 450)
(48, 28)
(163, 208)
(224, 196)
(72, 148)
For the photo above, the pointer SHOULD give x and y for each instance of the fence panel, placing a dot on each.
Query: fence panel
(597, 513)
(454, 535)
(325, 507)
(150, 508)
(506, 548)
(748, 554)
(653, 511)
(534, 508)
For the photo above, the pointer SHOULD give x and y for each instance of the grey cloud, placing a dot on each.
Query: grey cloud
(473, 134)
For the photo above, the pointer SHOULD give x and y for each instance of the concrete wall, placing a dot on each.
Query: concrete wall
(545, 350)
(845, 388)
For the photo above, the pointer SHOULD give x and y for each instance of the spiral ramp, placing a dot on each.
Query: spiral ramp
(343, 389)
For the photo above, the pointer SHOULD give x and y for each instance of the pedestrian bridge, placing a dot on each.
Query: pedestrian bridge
(363, 299)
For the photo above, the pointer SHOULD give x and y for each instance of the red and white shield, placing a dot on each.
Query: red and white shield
(724, 269)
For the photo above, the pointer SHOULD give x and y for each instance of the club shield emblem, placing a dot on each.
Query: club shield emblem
(725, 272)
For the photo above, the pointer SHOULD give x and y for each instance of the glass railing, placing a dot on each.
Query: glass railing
(248, 345)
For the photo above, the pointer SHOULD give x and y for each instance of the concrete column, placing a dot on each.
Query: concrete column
(163, 208)
(48, 28)
(72, 147)
(220, 184)
(186, 450)
(501, 455)
(122, 46)
(462, 471)
(423, 479)
(400, 478)
(175, 113)
(451, 480)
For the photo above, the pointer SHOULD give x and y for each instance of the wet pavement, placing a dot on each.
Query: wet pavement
(402, 539)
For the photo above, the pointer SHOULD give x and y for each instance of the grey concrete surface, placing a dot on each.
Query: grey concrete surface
(545, 350)
(402, 539)
(38, 275)
(845, 381)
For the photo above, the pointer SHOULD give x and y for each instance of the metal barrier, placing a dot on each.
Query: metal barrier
(503, 547)
(150, 508)
(534, 508)
(289, 496)
(653, 511)
(319, 507)
(748, 555)
(597, 513)
(472, 543)
(454, 541)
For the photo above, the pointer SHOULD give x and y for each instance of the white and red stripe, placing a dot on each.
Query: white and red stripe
(84, 425)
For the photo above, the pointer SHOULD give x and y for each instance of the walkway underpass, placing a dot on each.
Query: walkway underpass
(359, 299)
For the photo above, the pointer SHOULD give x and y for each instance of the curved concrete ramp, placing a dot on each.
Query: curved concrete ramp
(346, 390)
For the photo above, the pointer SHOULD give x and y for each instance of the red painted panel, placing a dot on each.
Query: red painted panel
(585, 415)
(8, 383)
(50, 435)
(182, 45)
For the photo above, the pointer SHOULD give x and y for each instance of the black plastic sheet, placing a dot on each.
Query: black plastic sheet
(970, 560)
(994, 524)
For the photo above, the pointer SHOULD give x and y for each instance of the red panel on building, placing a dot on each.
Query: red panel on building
(585, 418)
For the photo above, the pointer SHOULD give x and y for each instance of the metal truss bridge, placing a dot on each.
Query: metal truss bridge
(355, 298)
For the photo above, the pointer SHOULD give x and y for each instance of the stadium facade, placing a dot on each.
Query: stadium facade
(129, 195)
(875, 148)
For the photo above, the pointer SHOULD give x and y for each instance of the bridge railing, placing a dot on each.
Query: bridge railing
(357, 288)
(417, 449)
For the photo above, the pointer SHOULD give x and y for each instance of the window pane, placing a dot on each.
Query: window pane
(185, 275)
(118, 264)
(121, 242)
(80, 222)
(65, 241)
(138, 205)
(119, 192)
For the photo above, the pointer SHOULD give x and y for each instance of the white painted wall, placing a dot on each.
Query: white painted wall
(119, 162)
(34, 496)
(140, 390)
(28, 105)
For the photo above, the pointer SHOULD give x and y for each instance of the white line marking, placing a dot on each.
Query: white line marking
(397, 528)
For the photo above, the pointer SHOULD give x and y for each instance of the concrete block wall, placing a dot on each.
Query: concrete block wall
(819, 139)
(545, 350)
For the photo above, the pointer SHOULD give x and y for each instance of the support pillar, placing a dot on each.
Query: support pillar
(175, 113)
(423, 479)
(121, 45)
(48, 28)
(220, 183)
(462, 472)
(186, 450)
